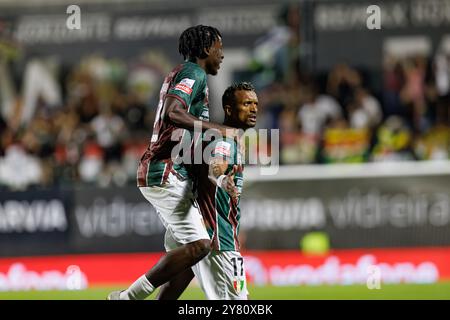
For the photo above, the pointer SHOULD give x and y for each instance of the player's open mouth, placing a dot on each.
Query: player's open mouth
(252, 118)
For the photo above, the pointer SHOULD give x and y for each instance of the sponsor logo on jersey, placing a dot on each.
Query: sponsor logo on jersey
(205, 114)
(185, 85)
(222, 148)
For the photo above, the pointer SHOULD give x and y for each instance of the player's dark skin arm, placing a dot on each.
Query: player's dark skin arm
(177, 114)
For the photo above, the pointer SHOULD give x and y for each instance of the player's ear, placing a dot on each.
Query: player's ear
(206, 51)
(227, 110)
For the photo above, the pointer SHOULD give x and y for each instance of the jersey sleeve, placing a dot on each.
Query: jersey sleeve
(187, 86)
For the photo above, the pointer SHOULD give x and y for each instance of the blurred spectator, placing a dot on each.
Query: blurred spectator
(276, 55)
(134, 112)
(86, 99)
(40, 88)
(39, 136)
(290, 137)
(442, 80)
(109, 129)
(342, 83)
(364, 111)
(3, 128)
(18, 169)
(412, 93)
(91, 162)
(6, 138)
(7, 92)
(434, 145)
(394, 141)
(317, 110)
(392, 83)
(443, 74)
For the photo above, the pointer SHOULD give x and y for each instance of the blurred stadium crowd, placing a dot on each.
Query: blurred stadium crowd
(338, 118)
(86, 128)
(92, 122)
(342, 115)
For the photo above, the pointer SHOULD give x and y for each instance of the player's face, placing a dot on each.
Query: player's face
(246, 109)
(215, 58)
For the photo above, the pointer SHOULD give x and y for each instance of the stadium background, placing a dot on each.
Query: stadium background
(364, 144)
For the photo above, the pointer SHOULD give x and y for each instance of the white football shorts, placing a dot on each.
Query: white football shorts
(173, 202)
(221, 275)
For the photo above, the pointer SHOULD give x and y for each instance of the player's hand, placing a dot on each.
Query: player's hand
(229, 186)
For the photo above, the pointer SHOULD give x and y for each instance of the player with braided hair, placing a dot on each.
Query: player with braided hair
(167, 184)
(194, 40)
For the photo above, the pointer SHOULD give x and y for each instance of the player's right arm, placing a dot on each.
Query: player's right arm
(177, 114)
(222, 155)
(216, 173)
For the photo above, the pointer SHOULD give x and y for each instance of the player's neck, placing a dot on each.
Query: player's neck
(230, 123)
(200, 62)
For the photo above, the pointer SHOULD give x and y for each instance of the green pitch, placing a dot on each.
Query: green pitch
(437, 291)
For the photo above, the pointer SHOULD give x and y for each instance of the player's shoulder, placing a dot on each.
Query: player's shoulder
(192, 71)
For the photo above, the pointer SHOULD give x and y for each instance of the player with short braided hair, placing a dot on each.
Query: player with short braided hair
(194, 40)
